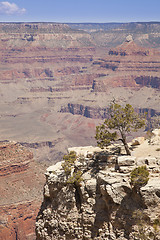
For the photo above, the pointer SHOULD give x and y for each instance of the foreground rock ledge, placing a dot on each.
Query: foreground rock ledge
(103, 206)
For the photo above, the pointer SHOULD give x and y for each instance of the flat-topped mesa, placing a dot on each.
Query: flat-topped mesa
(34, 28)
(102, 206)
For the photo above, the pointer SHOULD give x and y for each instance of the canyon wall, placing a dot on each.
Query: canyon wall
(56, 83)
(21, 191)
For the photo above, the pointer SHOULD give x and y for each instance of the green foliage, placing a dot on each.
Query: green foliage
(121, 120)
(69, 161)
(73, 175)
(139, 177)
(76, 178)
(104, 137)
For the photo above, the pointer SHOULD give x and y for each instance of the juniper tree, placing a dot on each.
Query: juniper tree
(68, 165)
(120, 121)
(139, 177)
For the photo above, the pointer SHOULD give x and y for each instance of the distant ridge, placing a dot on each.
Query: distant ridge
(132, 26)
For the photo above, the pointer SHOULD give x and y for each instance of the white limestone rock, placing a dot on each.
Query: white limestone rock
(85, 151)
(126, 161)
(102, 205)
(137, 141)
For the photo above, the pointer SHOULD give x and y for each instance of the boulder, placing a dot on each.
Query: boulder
(137, 141)
(85, 151)
(156, 132)
(126, 161)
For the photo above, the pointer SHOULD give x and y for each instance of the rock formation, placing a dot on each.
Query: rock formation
(21, 185)
(104, 205)
(55, 84)
(51, 70)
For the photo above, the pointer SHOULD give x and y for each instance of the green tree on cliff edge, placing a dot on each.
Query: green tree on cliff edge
(120, 121)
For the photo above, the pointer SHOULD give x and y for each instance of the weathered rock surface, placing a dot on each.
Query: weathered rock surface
(21, 185)
(104, 204)
(50, 70)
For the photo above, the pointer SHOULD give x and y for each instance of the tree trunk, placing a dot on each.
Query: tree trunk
(125, 143)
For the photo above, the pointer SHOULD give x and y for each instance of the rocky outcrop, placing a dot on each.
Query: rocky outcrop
(127, 65)
(20, 188)
(104, 205)
(99, 113)
(86, 111)
(130, 48)
(148, 81)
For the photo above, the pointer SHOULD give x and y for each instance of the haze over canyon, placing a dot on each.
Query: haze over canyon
(56, 82)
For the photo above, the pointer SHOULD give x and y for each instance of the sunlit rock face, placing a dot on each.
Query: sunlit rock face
(21, 191)
(50, 74)
(104, 205)
(55, 86)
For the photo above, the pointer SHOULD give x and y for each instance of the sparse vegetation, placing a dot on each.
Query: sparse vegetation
(120, 121)
(156, 229)
(139, 177)
(141, 222)
(145, 230)
(73, 175)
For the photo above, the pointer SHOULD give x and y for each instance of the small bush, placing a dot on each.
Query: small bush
(139, 177)
(73, 175)
(76, 178)
(69, 161)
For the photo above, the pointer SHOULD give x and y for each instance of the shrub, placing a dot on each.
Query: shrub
(73, 175)
(69, 161)
(139, 177)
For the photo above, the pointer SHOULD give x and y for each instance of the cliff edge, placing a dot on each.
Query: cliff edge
(104, 205)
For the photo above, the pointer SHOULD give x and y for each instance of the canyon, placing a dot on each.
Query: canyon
(56, 82)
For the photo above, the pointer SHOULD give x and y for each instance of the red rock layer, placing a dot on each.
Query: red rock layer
(18, 221)
(20, 188)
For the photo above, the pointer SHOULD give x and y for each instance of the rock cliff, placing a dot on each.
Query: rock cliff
(104, 205)
(21, 185)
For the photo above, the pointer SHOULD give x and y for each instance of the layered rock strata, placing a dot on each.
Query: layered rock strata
(48, 68)
(21, 179)
(104, 205)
